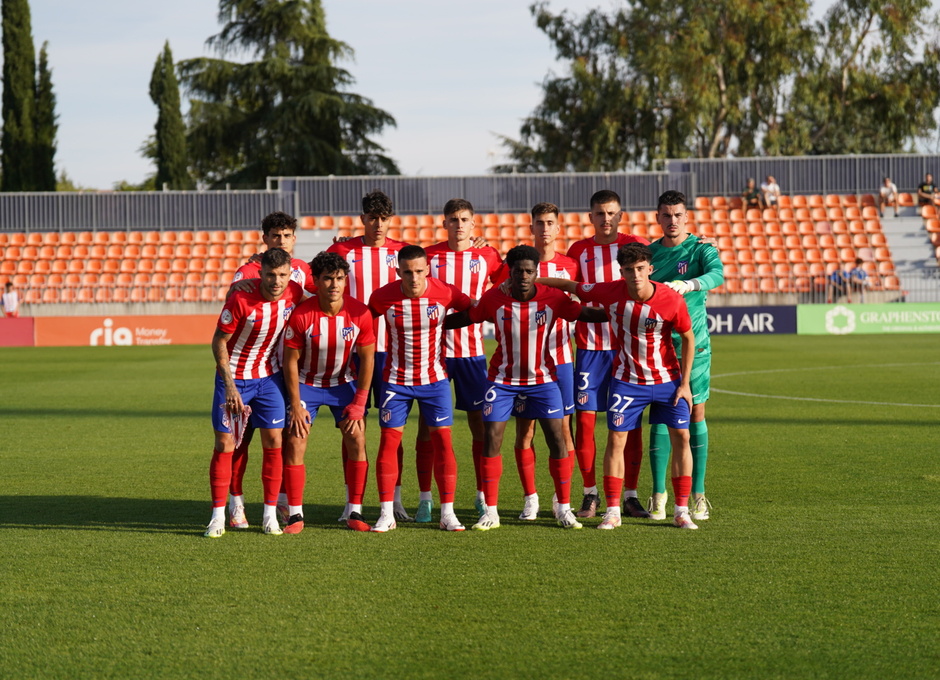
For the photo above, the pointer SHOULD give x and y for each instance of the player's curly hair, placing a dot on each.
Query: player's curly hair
(456, 205)
(327, 263)
(278, 220)
(605, 196)
(519, 253)
(631, 253)
(672, 197)
(377, 203)
(272, 258)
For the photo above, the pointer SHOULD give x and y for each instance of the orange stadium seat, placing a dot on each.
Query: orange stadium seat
(809, 241)
(101, 238)
(720, 202)
(839, 227)
(308, 222)
(325, 222)
(815, 201)
(202, 237)
(905, 200)
(135, 237)
(860, 240)
(702, 203)
(34, 238)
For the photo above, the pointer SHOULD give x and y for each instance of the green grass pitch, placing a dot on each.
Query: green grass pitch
(820, 559)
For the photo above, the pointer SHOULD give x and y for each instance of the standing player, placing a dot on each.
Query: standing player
(248, 376)
(597, 258)
(278, 230)
(521, 375)
(319, 342)
(10, 302)
(691, 268)
(459, 262)
(414, 310)
(552, 264)
(646, 372)
(373, 262)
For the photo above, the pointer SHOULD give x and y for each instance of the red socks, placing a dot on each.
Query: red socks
(445, 464)
(220, 476)
(613, 487)
(239, 464)
(681, 488)
(492, 471)
(386, 463)
(295, 476)
(585, 446)
(357, 471)
(560, 469)
(525, 463)
(424, 463)
(633, 458)
(272, 472)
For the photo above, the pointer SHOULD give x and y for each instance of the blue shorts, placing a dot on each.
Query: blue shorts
(523, 401)
(592, 380)
(469, 376)
(564, 375)
(627, 401)
(264, 395)
(337, 398)
(434, 402)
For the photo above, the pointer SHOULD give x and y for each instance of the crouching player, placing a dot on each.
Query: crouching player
(248, 380)
(645, 372)
(318, 345)
(521, 375)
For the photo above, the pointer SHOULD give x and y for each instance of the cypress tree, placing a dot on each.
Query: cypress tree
(19, 93)
(170, 132)
(46, 127)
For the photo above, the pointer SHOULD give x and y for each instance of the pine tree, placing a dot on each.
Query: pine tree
(170, 137)
(19, 93)
(46, 127)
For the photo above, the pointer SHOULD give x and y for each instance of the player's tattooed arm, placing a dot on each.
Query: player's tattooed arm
(593, 315)
(233, 400)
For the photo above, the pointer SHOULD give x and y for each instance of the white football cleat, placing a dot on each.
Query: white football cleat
(271, 527)
(700, 507)
(611, 520)
(567, 520)
(530, 510)
(683, 521)
(451, 523)
(216, 528)
(657, 506)
(345, 515)
(384, 524)
(490, 520)
(238, 519)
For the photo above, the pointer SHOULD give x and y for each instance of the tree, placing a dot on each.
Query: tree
(170, 134)
(286, 111)
(46, 127)
(19, 82)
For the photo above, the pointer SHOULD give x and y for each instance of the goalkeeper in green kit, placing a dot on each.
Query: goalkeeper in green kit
(691, 268)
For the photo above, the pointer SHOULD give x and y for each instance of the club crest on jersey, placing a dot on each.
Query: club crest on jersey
(391, 260)
(385, 415)
(540, 318)
(617, 420)
(348, 333)
(474, 266)
(683, 266)
(582, 398)
(650, 323)
(287, 312)
(434, 311)
(297, 275)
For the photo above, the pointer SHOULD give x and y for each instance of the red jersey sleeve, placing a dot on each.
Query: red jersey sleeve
(498, 269)
(459, 301)
(483, 310)
(364, 320)
(564, 306)
(250, 270)
(309, 285)
(232, 313)
(296, 326)
(682, 321)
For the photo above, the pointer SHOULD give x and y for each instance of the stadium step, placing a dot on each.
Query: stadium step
(913, 257)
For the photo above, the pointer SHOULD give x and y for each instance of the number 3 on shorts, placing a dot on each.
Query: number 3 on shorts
(585, 380)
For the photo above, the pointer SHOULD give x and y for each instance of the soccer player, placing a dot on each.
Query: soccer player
(459, 262)
(646, 373)
(521, 375)
(545, 230)
(691, 268)
(414, 310)
(319, 342)
(248, 376)
(373, 263)
(278, 230)
(596, 257)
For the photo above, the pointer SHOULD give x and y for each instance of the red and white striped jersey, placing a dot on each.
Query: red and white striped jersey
(370, 268)
(644, 330)
(597, 264)
(256, 325)
(326, 342)
(522, 332)
(469, 270)
(299, 273)
(416, 330)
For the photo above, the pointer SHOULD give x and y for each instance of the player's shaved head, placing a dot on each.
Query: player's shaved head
(327, 263)
(456, 205)
(605, 196)
(274, 258)
(672, 197)
(409, 253)
(631, 253)
(278, 220)
(377, 203)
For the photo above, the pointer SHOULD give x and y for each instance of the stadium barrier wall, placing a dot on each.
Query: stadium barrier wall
(17, 332)
(111, 331)
(751, 320)
(913, 317)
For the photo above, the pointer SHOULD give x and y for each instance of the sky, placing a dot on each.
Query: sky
(453, 74)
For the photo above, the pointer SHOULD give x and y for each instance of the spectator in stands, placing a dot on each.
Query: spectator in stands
(857, 280)
(771, 191)
(10, 302)
(888, 195)
(838, 285)
(927, 191)
(751, 195)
